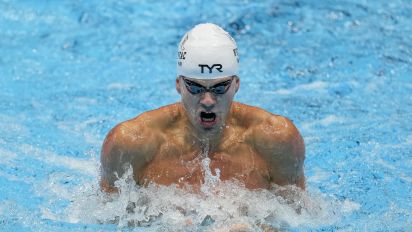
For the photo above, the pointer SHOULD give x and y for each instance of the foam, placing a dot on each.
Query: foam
(219, 205)
(326, 121)
(409, 140)
(10, 212)
(316, 85)
(82, 128)
(331, 119)
(9, 176)
(350, 206)
(83, 101)
(10, 125)
(405, 177)
(319, 176)
(224, 204)
(80, 165)
(7, 157)
(119, 86)
(385, 164)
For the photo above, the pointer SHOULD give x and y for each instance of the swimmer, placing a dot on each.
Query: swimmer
(244, 143)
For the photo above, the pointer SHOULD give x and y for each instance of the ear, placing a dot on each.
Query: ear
(237, 84)
(178, 85)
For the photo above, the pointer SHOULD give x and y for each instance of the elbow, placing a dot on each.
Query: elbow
(301, 183)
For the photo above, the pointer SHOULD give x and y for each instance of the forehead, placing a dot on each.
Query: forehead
(208, 82)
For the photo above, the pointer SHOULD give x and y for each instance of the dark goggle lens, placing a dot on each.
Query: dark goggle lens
(220, 88)
(194, 89)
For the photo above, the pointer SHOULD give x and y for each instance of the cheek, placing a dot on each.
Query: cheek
(189, 103)
(227, 99)
(223, 106)
(225, 103)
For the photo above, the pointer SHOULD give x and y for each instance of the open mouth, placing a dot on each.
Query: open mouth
(207, 117)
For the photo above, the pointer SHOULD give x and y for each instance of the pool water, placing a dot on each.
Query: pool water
(71, 70)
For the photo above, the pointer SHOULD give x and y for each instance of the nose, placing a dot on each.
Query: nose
(208, 101)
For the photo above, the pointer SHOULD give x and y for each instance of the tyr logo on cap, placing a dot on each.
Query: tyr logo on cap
(218, 67)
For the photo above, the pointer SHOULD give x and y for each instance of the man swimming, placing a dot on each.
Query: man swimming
(244, 143)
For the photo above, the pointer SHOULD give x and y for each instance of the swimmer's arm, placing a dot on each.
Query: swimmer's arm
(281, 144)
(124, 146)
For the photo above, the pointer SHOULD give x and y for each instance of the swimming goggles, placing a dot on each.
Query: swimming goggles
(195, 88)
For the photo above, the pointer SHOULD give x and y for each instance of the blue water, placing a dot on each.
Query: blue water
(71, 70)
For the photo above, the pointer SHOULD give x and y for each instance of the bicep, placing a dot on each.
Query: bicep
(287, 167)
(114, 160)
(121, 149)
(284, 150)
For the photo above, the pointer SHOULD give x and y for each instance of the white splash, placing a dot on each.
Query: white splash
(220, 206)
(211, 181)
(158, 207)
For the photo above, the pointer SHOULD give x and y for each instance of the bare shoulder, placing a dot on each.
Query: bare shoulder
(134, 142)
(275, 130)
(145, 130)
(127, 135)
(252, 117)
(279, 142)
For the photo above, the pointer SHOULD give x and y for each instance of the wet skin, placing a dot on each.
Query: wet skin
(166, 146)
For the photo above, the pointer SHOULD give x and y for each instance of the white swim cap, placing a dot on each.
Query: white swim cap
(207, 52)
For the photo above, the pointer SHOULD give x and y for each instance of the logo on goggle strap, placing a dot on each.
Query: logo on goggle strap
(217, 66)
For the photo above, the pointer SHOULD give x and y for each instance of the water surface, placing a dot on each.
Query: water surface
(71, 70)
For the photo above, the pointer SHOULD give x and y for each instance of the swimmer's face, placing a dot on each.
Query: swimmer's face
(207, 102)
